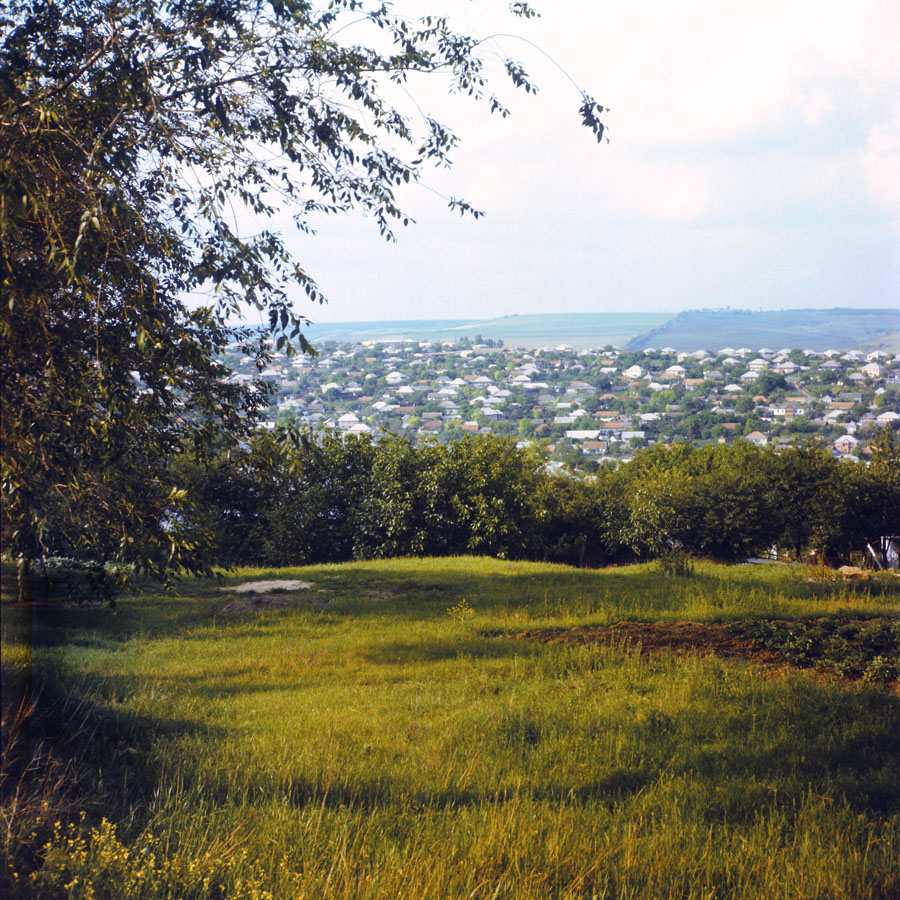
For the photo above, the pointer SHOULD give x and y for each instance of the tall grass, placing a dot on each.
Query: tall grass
(382, 747)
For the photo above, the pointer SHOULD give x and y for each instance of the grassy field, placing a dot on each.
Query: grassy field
(578, 330)
(389, 735)
(807, 329)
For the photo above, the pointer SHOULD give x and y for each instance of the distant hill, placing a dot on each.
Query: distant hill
(805, 329)
(577, 330)
(890, 343)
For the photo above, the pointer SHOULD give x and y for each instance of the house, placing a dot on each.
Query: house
(787, 411)
(846, 444)
(758, 438)
(873, 370)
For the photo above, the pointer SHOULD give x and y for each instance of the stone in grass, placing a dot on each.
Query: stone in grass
(268, 587)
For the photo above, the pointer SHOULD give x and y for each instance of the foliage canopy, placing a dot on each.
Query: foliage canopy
(320, 498)
(135, 137)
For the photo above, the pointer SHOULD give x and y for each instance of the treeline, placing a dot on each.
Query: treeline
(296, 497)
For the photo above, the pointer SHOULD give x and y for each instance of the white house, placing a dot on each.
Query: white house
(873, 370)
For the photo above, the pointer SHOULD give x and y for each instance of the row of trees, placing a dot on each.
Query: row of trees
(295, 497)
(135, 138)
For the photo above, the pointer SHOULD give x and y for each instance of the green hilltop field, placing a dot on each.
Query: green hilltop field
(577, 330)
(434, 728)
(803, 329)
(811, 329)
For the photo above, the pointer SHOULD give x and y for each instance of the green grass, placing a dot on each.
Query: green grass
(547, 329)
(383, 747)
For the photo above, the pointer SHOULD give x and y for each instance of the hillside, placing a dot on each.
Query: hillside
(807, 329)
(890, 343)
(577, 330)
(457, 728)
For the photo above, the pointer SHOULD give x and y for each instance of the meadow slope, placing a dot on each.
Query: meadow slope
(385, 733)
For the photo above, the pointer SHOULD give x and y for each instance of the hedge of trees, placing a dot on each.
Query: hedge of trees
(294, 497)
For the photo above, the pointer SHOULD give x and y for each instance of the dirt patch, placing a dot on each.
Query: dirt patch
(842, 647)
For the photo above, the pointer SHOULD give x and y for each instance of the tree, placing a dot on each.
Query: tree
(770, 383)
(393, 518)
(134, 134)
(731, 516)
(874, 493)
(808, 498)
(575, 528)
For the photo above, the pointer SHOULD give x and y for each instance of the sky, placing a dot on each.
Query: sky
(753, 162)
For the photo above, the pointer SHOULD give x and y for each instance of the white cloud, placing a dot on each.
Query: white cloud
(881, 165)
(658, 191)
(770, 127)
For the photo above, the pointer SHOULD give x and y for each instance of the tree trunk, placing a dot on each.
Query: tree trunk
(25, 578)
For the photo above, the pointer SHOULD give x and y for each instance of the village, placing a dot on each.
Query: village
(584, 406)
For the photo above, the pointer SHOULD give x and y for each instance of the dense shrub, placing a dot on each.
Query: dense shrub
(298, 497)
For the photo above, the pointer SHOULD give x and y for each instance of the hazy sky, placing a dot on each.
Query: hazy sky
(754, 162)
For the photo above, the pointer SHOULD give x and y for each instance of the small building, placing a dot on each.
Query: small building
(846, 444)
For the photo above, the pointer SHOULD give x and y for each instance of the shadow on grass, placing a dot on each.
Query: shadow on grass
(66, 751)
(839, 747)
(437, 649)
(76, 754)
(76, 750)
(413, 590)
(56, 625)
(838, 743)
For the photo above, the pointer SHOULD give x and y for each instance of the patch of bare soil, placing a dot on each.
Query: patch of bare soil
(680, 637)
(831, 649)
